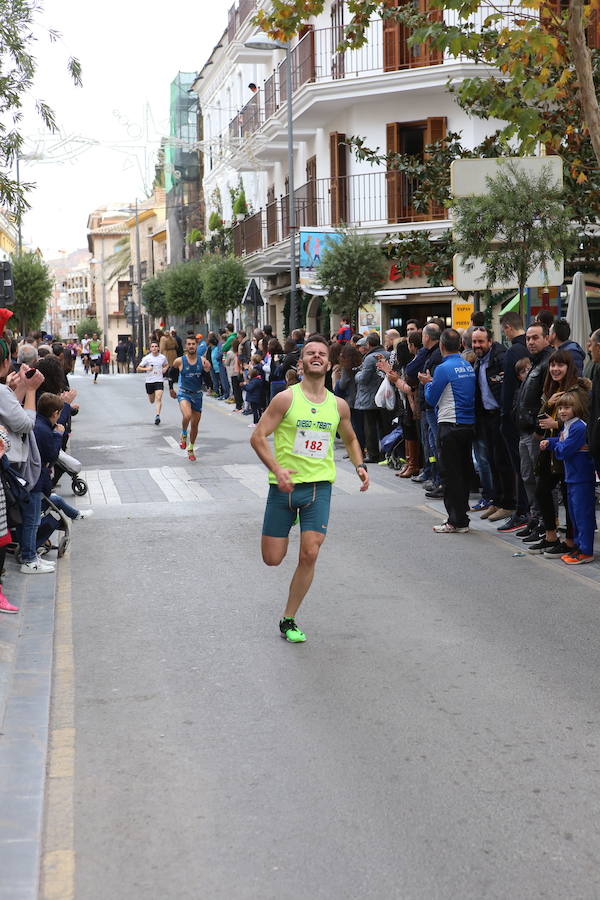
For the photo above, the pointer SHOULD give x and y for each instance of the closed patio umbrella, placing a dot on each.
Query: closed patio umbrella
(578, 315)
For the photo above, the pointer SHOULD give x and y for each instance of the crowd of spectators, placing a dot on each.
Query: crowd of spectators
(37, 406)
(471, 415)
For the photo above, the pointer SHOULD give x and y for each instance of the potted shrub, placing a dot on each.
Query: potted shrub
(240, 207)
(215, 222)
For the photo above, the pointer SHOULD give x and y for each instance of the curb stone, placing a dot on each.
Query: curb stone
(26, 655)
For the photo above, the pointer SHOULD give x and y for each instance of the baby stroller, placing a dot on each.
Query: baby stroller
(392, 446)
(54, 522)
(72, 467)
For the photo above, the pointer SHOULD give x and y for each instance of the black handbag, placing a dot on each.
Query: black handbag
(15, 494)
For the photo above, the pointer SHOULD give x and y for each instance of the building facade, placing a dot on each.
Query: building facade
(391, 95)
(8, 236)
(108, 243)
(71, 295)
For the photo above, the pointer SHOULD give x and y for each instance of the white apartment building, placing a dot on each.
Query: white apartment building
(75, 299)
(393, 96)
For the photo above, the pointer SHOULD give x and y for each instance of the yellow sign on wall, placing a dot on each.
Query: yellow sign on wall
(461, 314)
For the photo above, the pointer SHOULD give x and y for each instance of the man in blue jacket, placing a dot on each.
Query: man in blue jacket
(452, 392)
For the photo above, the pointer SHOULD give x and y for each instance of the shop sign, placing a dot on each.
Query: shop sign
(461, 314)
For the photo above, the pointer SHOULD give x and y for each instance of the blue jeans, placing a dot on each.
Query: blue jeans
(482, 464)
(427, 466)
(225, 386)
(31, 513)
(66, 507)
(432, 426)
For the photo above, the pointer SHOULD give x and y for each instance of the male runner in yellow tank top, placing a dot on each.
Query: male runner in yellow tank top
(304, 420)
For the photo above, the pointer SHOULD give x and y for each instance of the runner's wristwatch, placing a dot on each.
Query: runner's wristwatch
(362, 466)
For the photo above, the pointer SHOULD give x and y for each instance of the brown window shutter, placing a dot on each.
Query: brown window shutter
(430, 56)
(338, 182)
(394, 179)
(593, 30)
(311, 192)
(391, 41)
(304, 57)
(435, 131)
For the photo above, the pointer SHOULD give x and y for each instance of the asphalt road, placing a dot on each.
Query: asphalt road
(436, 737)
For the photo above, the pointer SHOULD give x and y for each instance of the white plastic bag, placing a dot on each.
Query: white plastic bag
(385, 398)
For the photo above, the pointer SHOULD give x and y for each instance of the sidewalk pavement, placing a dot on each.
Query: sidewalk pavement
(26, 654)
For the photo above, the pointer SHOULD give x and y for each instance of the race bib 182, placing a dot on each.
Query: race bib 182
(314, 444)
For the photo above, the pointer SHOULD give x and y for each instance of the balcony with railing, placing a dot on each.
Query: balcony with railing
(372, 199)
(237, 16)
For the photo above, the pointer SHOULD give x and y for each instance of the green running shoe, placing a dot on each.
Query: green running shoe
(290, 631)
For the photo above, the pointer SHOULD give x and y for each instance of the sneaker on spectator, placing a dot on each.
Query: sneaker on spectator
(501, 514)
(536, 535)
(420, 478)
(532, 527)
(514, 523)
(447, 528)
(488, 512)
(577, 558)
(436, 493)
(37, 566)
(428, 485)
(5, 606)
(558, 550)
(84, 513)
(541, 546)
(481, 505)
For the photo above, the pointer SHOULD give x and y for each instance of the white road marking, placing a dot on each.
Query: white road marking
(173, 447)
(252, 477)
(176, 484)
(349, 483)
(102, 490)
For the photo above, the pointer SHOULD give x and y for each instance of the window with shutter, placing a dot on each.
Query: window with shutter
(338, 181)
(436, 131)
(311, 192)
(410, 138)
(304, 57)
(337, 36)
(271, 216)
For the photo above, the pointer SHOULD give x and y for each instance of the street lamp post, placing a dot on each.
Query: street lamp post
(264, 42)
(138, 278)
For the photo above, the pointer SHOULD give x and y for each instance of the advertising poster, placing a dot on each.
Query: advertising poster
(313, 243)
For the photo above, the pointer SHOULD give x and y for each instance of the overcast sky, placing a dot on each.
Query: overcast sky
(130, 52)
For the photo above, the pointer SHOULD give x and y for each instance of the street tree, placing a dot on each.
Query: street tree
(519, 225)
(33, 287)
(155, 297)
(18, 34)
(541, 50)
(224, 283)
(88, 326)
(184, 289)
(352, 269)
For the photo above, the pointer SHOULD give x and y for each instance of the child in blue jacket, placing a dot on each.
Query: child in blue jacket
(580, 477)
(254, 392)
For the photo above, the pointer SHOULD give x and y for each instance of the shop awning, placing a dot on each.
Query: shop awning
(511, 306)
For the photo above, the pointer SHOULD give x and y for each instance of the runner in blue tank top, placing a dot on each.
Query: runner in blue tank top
(189, 393)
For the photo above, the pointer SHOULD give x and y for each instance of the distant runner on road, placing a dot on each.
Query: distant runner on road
(304, 420)
(154, 364)
(189, 393)
(96, 355)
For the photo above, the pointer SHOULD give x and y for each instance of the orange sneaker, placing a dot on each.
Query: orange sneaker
(191, 456)
(183, 442)
(577, 558)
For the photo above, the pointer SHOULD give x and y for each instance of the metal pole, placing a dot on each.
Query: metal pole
(104, 307)
(291, 199)
(138, 278)
(20, 217)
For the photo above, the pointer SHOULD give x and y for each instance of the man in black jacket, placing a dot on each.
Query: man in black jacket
(489, 371)
(431, 341)
(512, 326)
(529, 404)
